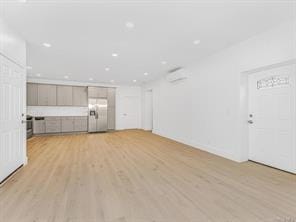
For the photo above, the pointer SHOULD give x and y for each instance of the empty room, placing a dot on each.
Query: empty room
(147, 111)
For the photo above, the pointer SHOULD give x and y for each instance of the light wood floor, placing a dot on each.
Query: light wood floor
(135, 176)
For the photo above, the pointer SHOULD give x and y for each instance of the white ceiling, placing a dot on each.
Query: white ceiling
(84, 34)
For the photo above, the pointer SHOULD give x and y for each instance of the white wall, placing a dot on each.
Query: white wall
(208, 110)
(12, 45)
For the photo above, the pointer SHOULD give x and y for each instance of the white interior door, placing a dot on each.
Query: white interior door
(12, 112)
(130, 112)
(272, 117)
(148, 110)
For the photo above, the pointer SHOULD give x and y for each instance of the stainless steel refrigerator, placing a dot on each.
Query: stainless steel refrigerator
(97, 115)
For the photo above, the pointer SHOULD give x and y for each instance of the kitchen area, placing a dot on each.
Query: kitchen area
(64, 109)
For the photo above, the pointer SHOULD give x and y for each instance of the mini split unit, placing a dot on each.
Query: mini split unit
(177, 74)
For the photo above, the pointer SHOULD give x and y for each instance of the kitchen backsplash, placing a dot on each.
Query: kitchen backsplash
(56, 111)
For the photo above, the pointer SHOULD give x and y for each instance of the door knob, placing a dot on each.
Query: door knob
(250, 121)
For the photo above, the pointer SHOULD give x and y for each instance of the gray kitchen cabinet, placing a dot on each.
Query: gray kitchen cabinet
(53, 125)
(47, 95)
(80, 96)
(32, 94)
(38, 125)
(67, 124)
(102, 92)
(92, 92)
(56, 124)
(111, 118)
(64, 95)
(111, 97)
(80, 123)
(97, 92)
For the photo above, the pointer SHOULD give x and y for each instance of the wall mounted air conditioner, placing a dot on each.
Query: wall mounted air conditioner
(177, 74)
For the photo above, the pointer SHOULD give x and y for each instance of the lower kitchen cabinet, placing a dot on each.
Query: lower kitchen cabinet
(53, 125)
(80, 123)
(67, 124)
(38, 125)
(64, 124)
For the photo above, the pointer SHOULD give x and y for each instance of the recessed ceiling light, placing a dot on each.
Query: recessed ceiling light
(66, 77)
(29, 67)
(196, 42)
(146, 73)
(114, 54)
(130, 25)
(90, 79)
(163, 62)
(107, 69)
(23, 1)
(134, 80)
(112, 80)
(47, 45)
(38, 74)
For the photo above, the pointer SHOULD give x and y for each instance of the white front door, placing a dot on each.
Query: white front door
(272, 117)
(12, 112)
(130, 112)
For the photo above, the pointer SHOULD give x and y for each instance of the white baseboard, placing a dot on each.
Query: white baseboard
(207, 148)
(215, 151)
(25, 160)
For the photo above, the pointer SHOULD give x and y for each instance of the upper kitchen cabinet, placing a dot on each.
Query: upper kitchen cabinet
(111, 96)
(64, 95)
(32, 94)
(92, 92)
(80, 96)
(102, 91)
(97, 92)
(47, 95)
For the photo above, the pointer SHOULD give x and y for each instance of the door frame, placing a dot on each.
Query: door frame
(244, 107)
